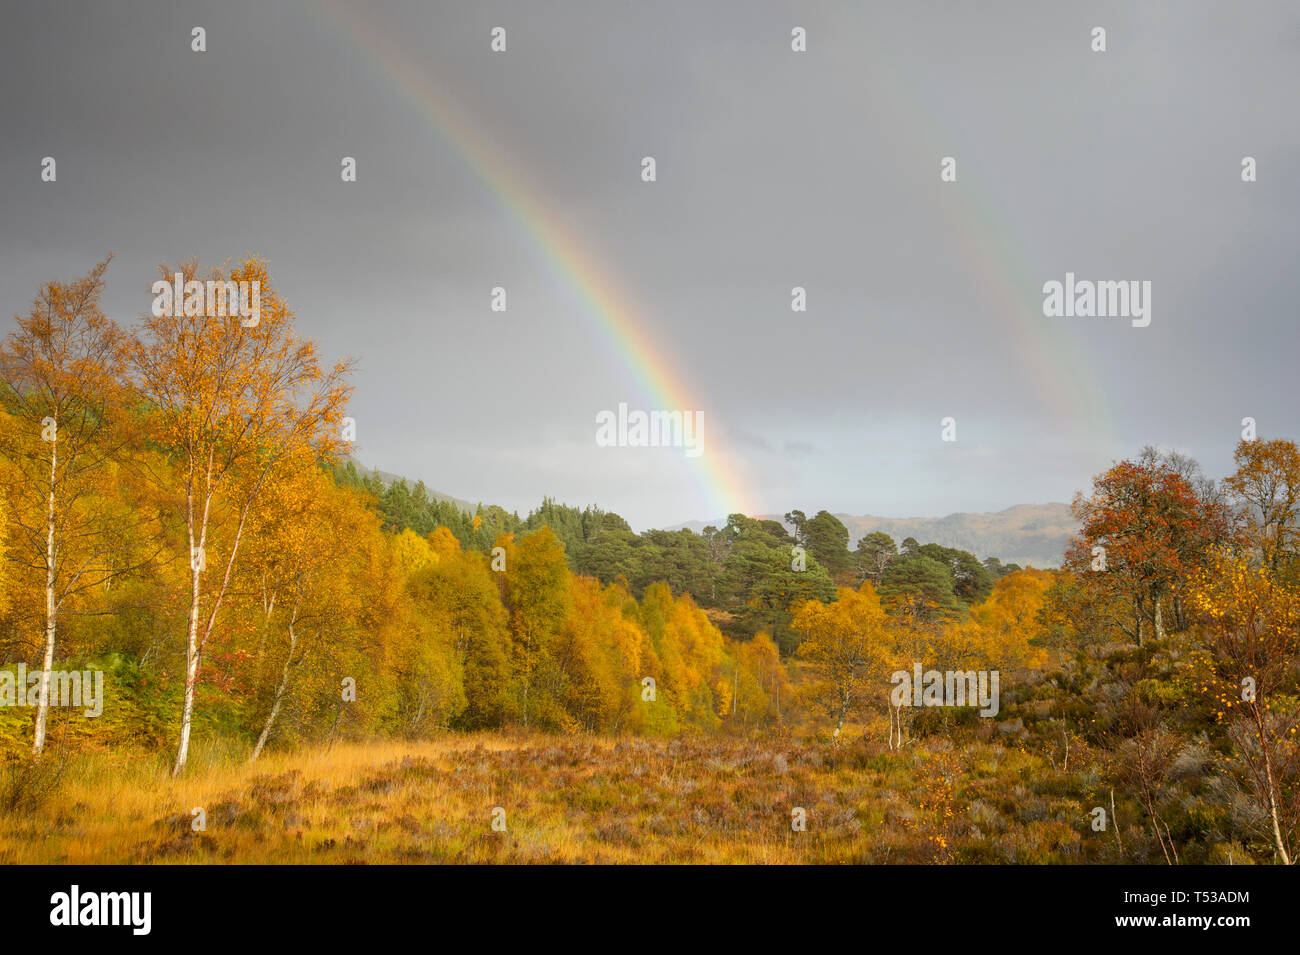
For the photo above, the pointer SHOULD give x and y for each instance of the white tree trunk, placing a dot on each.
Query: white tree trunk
(51, 606)
(1271, 781)
(192, 631)
(196, 641)
(191, 672)
(279, 693)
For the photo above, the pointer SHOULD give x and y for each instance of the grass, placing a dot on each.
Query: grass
(565, 800)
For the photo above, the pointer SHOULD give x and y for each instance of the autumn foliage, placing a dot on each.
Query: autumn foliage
(177, 512)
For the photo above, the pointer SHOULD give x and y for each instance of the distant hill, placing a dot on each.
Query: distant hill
(1034, 534)
(389, 478)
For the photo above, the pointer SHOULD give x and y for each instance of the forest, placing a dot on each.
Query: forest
(181, 512)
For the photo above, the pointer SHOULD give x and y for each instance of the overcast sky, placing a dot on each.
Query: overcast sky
(775, 169)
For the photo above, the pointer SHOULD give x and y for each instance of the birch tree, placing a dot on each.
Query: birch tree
(61, 382)
(232, 401)
(1267, 485)
(848, 642)
(1253, 639)
(314, 551)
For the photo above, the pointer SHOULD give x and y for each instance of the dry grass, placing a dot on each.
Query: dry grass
(565, 800)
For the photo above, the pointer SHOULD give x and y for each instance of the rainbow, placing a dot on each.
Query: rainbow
(1065, 383)
(605, 304)
(1064, 379)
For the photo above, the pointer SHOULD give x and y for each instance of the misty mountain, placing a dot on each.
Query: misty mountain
(1034, 534)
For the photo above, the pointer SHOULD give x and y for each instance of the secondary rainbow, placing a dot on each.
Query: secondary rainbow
(1065, 381)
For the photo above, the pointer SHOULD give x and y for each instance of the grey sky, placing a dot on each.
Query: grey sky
(775, 169)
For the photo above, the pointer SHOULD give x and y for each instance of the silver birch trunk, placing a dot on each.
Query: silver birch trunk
(51, 607)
